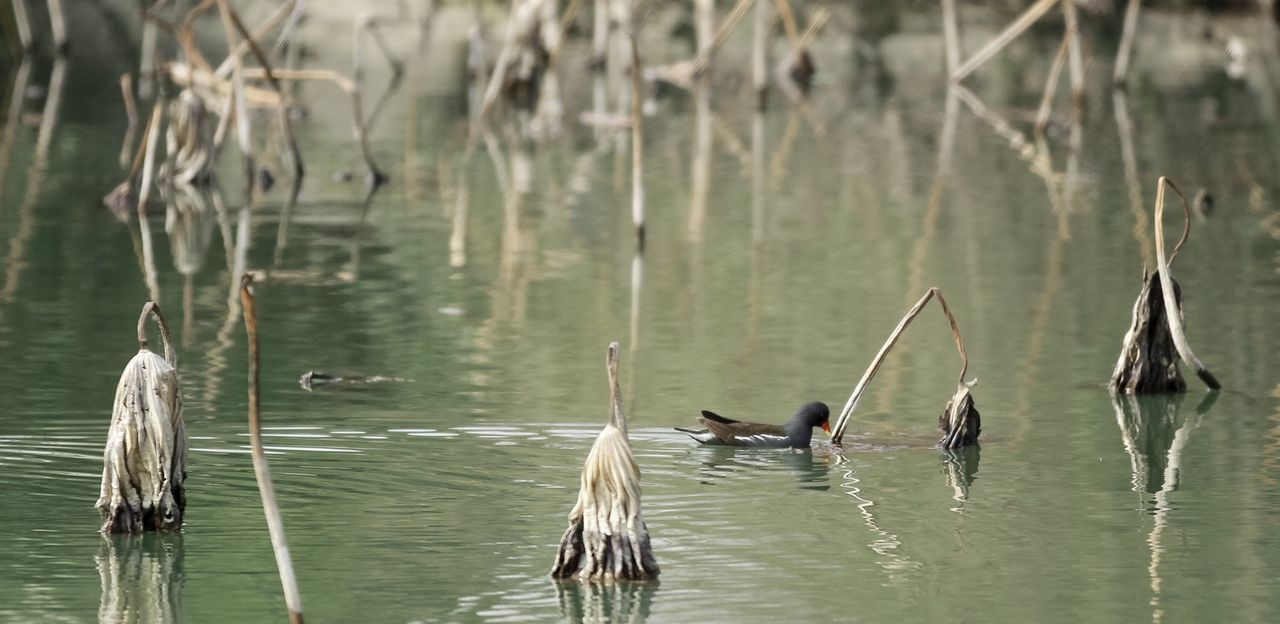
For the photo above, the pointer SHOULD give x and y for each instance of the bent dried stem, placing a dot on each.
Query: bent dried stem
(1166, 284)
(1155, 341)
(960, 421)
(270, 508)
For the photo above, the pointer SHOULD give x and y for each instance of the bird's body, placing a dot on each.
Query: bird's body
(796, 433)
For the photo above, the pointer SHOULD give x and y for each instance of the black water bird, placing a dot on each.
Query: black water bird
(796, 433)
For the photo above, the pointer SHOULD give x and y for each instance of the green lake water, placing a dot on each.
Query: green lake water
(769, 282)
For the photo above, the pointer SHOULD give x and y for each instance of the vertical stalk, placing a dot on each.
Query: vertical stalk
(1121, 74)
(1075, 62)
(58, 21)
(275, 523)
(23, 20)
(759, 40)
(637, 147)
(951, 35)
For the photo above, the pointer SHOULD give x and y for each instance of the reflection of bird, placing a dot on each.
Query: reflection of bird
(795, 434)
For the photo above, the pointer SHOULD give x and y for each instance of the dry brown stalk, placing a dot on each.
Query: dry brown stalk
(270, 508)
(1051, 86)
(960, 421)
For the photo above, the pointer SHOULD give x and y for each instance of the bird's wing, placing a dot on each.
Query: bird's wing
(741, 433)
(708, 414)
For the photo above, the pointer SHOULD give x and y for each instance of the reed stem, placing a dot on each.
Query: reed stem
(270, 508)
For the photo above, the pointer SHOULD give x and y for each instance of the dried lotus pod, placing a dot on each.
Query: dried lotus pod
(1156, 339)
(607, 539)
(145, 459)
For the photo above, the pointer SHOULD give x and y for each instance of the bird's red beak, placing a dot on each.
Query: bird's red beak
(826, 426)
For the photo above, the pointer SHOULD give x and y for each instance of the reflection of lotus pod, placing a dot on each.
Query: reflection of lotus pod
(142, 580)
(145, 460)
(960, 422)
(190, 221)
(189, 140)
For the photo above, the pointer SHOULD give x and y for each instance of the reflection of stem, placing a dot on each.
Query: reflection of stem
(458, 234)
(142, 578)
(286, 215)
(412, 94)
(356, 239)
(1140, 218)
(886, 544)
(1023, 22)
(1051, 87)
(701, 168)
(1172, 472)
(16, 260)
(758, 150)
(633, 341)
(1271, 453)
(1075, 62)
(23, 20)
(1039, 328)
(131, 112)
(15, 112)
(951, 35)
(759, 41)
(1126, 42)
(148, 169)
(637, 148)
(58, 22)
(236, 243)
(1018, 141)
(147, 60)
(282, 113)
(929, 223)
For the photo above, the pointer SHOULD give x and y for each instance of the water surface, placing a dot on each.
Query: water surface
(769, 283)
